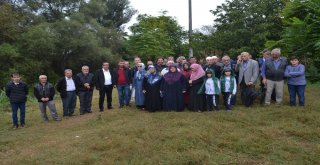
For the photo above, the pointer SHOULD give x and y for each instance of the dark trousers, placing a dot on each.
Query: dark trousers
(212, 102)
(248, 94)
(296, 90)
(14, 108)
(69, 103)
(85, 98)
(227, 97)
(103, 92)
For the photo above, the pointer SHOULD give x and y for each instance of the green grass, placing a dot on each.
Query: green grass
(257, 135)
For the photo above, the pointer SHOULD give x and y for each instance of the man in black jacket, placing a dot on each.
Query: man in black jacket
(44, 92)
(86, 85)
(104, 81)
(17, 92)
(67, 86)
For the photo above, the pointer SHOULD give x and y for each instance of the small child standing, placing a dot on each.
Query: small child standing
(17, 92)
(296, 81)
(228, 87)
(211, 88)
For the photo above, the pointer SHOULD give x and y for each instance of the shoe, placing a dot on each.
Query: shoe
(81, 113)
(57, 119)
(121, 106)
(23, 125)
(89, 111)
(15, 127)
(110, 107)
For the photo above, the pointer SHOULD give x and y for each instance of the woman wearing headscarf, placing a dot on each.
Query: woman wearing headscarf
(138, 86)
(197, 101)
(151, 89)
(172, 89)
(186, 72)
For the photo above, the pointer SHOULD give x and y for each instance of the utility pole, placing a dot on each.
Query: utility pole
(190, 29)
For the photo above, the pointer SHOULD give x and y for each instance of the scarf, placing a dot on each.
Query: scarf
(197, 72)
(172, 77)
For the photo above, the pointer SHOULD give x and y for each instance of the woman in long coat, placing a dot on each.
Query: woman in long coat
(172, 89)
(197, 101)
(151, 88)
(138, 86)
(186, 72)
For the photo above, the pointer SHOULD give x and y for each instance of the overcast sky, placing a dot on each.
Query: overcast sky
(178, 9)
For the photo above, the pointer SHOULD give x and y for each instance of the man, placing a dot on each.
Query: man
(216, 61)
(265, 55)
(248, 73)
(67, 87)
(104, 81)
(17, 91)
(166, 69)
(86, 85)
(44, 92)
(272, 72)
(123, 80)
(213, 66)
(159, 66)
(132, 71)
(192, 60)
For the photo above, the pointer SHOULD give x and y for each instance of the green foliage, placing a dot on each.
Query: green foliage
(301, 33)
(245, 25)
(313, 74)
(155, 36)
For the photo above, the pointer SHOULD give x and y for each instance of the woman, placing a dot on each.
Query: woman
(197, 101)
(172, 89)
(186, 72)
(151, 89)
(138, 86)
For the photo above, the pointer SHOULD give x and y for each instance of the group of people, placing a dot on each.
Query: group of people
(168, 85)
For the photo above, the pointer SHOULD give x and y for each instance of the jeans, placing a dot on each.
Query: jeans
(22, 107)
(123, 94)
(299, 90)
(69, 103)
(85, 98)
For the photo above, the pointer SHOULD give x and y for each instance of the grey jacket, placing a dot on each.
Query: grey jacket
(250, 73)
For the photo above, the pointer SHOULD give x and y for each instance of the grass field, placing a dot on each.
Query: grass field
(257, 135)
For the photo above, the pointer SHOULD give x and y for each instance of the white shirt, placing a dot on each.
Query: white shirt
(107, 77)
(70, 85)
(228, 85)
(210, 89)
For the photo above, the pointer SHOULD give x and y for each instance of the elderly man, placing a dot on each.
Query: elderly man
(272, 72)
(86, 85)
(44, 92)
(212, 64)
(104, 81)
(248, 73)
(67, 87)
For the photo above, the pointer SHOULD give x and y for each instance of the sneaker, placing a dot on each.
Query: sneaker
(15, 127)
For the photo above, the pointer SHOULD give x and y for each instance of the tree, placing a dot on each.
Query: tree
(301, 34)
(245, 25)
(156, 36)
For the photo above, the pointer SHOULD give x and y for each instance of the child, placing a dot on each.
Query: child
(17, 92)
(211, 88)
(296, 81)
(228, 87)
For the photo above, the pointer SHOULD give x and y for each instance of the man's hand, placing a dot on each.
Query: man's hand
(264, 81)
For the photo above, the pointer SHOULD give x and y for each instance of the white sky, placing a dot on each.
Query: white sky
(179, 9)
